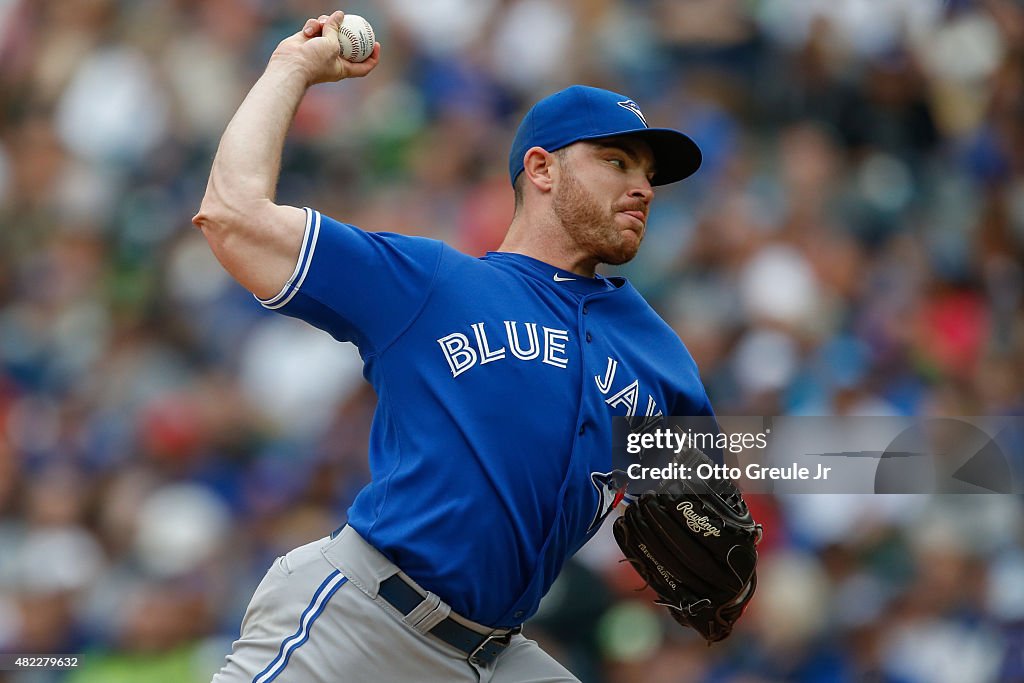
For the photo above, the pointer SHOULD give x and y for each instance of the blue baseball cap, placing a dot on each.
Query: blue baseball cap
(583, 113)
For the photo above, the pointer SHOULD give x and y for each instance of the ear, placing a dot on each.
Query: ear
(538, 168)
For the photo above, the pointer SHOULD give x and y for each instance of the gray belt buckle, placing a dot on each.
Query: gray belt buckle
(486, 652)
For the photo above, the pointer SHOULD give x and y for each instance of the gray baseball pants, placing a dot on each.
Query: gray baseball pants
(316, 618)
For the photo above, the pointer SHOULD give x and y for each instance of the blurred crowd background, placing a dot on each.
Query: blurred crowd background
(852, 245)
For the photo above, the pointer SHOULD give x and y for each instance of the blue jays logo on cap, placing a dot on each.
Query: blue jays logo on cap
(633, 107)
(581, 113)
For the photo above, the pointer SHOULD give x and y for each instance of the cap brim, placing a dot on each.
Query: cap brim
(676, 156)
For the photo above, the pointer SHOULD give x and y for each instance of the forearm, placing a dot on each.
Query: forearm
(254, 239)
(245, 169)
(248, 160)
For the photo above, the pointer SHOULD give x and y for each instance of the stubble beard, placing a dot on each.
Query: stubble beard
(591, 226)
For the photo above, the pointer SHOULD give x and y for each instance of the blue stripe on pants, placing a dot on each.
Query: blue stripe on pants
(292, 643)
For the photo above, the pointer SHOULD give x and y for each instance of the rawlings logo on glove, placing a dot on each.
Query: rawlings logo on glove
(697, 524)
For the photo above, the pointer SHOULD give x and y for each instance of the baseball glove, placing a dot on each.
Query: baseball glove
(695, 543)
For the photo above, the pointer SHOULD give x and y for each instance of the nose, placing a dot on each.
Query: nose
(643, 190)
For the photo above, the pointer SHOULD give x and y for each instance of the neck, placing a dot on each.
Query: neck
(547, 241)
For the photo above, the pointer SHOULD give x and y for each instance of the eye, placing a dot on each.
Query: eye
(616, 161)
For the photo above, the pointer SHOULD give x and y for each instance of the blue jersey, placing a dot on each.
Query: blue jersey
(496, 379)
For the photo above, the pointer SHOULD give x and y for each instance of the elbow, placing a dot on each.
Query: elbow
(220, 225)
(215, 227)
(204, 218)
(214, 223)
(219, 216)
(214, 215)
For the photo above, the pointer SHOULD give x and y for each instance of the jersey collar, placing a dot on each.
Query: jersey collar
(557, 277)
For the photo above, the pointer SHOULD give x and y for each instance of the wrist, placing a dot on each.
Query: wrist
(290, 68)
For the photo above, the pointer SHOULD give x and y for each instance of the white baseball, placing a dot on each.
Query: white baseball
(355, 37)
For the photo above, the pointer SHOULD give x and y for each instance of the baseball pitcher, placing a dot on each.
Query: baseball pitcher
(497, 379)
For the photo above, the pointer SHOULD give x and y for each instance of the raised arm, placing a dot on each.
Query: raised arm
(256, 240)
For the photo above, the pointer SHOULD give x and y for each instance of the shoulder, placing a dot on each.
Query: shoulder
(320, 225)
(634, 311)
(632, 303)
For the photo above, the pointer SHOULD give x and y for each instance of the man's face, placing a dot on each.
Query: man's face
(604, 195)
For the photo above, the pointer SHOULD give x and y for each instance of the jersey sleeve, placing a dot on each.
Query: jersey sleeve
(362, 287)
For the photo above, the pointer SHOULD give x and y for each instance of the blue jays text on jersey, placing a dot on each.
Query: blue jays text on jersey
(496, 381)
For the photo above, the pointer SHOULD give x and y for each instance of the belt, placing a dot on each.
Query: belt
(480, 649)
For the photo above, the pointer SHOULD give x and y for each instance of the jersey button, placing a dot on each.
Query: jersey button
(589, 338)
(583, 428)
(584, 310)
(519, 613)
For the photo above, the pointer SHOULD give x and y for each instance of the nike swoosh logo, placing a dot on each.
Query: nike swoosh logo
(563, 279)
